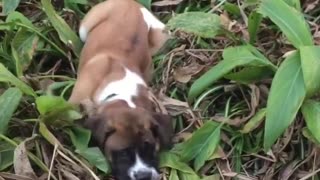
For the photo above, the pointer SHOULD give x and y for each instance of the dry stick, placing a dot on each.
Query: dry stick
(52, 160)
(82, 164)
(310, 175)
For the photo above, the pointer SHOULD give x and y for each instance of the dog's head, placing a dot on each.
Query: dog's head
(131, 139)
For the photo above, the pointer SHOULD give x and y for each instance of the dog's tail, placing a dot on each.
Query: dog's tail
(96, 15)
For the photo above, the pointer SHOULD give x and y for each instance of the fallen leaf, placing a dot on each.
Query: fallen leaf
(167, 2)
(22, 165)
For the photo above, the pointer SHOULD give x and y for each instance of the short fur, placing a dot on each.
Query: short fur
(117, 38)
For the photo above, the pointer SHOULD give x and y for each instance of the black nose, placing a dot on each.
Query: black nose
(143, 175)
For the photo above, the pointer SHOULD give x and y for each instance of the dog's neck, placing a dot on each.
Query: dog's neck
(126, 89)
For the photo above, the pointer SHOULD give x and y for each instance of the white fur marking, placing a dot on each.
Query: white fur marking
(124, 89)
(83, 33)
(140, 166)
(151, 20)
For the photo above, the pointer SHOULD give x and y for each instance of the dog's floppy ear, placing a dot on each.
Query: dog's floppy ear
(163, 129)
(99, 128)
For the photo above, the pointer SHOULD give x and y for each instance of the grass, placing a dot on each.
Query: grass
(240, 78)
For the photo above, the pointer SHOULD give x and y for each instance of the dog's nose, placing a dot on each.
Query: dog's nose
(143, 175)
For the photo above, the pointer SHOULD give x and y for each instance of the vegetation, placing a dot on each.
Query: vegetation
(240, 77)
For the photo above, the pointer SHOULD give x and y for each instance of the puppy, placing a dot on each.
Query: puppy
(112, 85)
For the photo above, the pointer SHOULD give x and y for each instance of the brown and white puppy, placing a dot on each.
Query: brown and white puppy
(112, 84)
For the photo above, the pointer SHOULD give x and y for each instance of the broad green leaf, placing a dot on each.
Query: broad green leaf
(289, 20)
(8, 77)
(9, 6)
(56, 110)
(47, 104)
(232, 58)
(24, 43)
(18, 17)
(253, 25)
(96, 158)
(201, 24)
(306, 133)
(45, 132)
(173, 175)
(254, 121)
(9, 102)
(80, 137)
(6, 155)
(285, 98)
(232, 8)
(250, 74)
(311, 113)
(169, 159)
(209, 136)
(212, 177)
(185, 176)
(146, 3)
(66, 34)
(310, 62)
(294, 3)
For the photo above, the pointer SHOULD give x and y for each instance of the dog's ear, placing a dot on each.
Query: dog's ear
(162, 127)
(99, 128)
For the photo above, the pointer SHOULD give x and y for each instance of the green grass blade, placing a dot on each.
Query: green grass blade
(9, 102)
(311, 113)
(289, 20)
(286, 96)
(310, 62)
(66, 34)
(9, 6)
(253, 25)
(7, 76)
(232, 57)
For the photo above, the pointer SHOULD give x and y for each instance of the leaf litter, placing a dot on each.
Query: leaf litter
(239, 153)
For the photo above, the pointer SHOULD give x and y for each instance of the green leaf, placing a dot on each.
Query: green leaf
(47, 104)
(7, 76)
(289, 20)
(169, 159)
(201, 24)
(306, 133)
(294, 3)
(146, 3)
(9, 6)
(9, 102)
(173, 175)
(80, 137)
(253, 25)
(212, 177)
(285, 98)
(310, 62)
(311, 113)
(44, 131)
(66, 34)
(209, 136)
(96, 158)
(254, 121)
(18, 17)
(24, 45)
(250, 74)
(232, 58)
(56, 110)
(6, 155)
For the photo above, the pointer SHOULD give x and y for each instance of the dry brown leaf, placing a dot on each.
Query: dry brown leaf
(167, 2)
(184, 74)
(68, 175)
(9, 176)
(22, 165)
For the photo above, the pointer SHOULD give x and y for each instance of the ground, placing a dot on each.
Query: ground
(240, 78)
